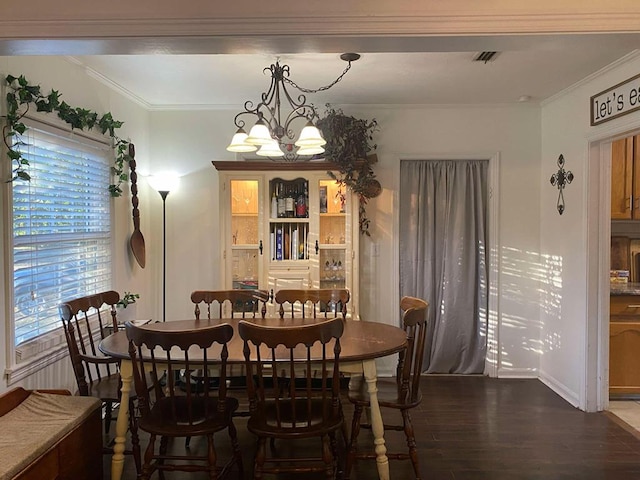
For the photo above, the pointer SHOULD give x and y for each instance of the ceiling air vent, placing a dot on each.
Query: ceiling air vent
(485, 57)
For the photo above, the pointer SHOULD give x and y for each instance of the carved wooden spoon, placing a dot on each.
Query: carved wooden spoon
(136, 242)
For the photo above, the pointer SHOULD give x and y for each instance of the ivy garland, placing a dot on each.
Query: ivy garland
(349, 143)
(22, 95)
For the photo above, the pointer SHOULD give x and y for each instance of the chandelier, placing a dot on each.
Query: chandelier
(271, 135)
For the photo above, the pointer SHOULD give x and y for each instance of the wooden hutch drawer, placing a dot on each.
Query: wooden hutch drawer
(624, 306)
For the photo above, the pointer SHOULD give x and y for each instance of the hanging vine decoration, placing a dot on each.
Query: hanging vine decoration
(349, 143)
(561, 178)
(22, 96)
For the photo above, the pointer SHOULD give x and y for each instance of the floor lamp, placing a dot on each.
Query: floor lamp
(164, 184)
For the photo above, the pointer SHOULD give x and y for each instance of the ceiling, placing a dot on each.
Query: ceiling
(379, 78)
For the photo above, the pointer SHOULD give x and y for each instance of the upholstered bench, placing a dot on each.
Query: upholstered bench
(46, 435)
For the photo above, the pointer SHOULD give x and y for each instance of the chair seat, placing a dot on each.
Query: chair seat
(388, 394)
(107, 388)
(264, 422)
(164, 420)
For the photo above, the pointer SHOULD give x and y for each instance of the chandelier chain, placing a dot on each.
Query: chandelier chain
(321, 89)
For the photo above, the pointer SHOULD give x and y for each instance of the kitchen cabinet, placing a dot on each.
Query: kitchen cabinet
(624, 345)
(287, 225)
(625, 179)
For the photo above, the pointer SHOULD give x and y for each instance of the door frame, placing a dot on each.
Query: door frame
(492, 360)
(597, 201)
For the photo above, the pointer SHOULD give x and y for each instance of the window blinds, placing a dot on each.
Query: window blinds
(61, 227)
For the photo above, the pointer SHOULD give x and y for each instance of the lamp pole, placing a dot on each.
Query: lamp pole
(163, 184)
(163, 194)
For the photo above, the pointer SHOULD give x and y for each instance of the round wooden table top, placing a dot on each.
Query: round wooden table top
(361, 340)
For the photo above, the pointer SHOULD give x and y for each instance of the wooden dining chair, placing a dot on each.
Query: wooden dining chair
(312, 303)
(169, 411)
(86, 321)
(302, 411)
(240, 302)
(316, 303)
(403, 393)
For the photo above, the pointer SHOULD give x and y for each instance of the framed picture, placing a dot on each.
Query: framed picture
(323, 199)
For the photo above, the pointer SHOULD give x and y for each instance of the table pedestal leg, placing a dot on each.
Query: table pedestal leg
(122, 422)
(377, 427)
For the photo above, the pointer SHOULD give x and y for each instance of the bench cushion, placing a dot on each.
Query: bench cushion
(37, 424)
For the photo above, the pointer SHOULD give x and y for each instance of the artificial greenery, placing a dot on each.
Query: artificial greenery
(22, 95)
(127, 299)
(349, 144)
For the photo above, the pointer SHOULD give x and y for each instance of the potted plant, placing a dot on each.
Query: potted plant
(349, 146)
(127, 299)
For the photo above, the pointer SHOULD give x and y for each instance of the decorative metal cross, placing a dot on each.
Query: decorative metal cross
(561, 178)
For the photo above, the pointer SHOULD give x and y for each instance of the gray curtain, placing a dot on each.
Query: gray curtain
(443, 219)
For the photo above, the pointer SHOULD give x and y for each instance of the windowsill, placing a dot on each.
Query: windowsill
(44, 343)
(24, 369)
(40, 353)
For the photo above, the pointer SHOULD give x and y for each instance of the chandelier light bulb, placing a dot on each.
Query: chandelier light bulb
(239, 143)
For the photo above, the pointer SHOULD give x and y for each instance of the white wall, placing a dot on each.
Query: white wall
(186, 142)
(466, 132)
(563, 240)
(79, 90)
(471, 132)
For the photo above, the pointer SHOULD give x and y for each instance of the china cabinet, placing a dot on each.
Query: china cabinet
(287, 225)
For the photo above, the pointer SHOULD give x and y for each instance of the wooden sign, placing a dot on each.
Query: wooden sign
(616, 101)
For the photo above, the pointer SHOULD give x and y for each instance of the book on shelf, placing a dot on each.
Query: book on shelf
(272, 246)
(279, 243)
(293, 254)
(286, 245)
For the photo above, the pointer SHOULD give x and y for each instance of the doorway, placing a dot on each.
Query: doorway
(598, 205)
(441, 225)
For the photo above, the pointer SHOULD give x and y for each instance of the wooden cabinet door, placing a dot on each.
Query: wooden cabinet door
(624, 345)
(624, 361)
(635, 148)
(622, 179)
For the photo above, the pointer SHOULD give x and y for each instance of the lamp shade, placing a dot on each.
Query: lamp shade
(310, 150)
(239, 143)
(310, 137)
(259, 134)
(164, 182)
(271, 149)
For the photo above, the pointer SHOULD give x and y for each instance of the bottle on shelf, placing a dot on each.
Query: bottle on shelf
(274, 203)
(289, 202)
(281, 202)
(301, 203)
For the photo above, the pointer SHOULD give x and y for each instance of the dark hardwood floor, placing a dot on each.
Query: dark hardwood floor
(472, 427)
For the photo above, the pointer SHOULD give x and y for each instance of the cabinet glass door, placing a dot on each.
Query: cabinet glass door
(245, 242)
(332, 234)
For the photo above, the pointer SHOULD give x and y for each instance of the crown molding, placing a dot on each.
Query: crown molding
(589, 78)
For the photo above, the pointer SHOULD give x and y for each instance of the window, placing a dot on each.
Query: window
(61, 227)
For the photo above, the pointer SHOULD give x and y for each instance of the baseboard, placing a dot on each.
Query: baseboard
(560, 388)
(517, 373)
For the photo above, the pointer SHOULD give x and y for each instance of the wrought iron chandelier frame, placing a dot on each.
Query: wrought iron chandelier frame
(269, 111)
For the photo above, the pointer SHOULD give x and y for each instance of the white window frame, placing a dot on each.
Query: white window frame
(44, 350)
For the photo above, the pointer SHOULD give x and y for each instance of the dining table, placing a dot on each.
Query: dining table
(361, 343)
